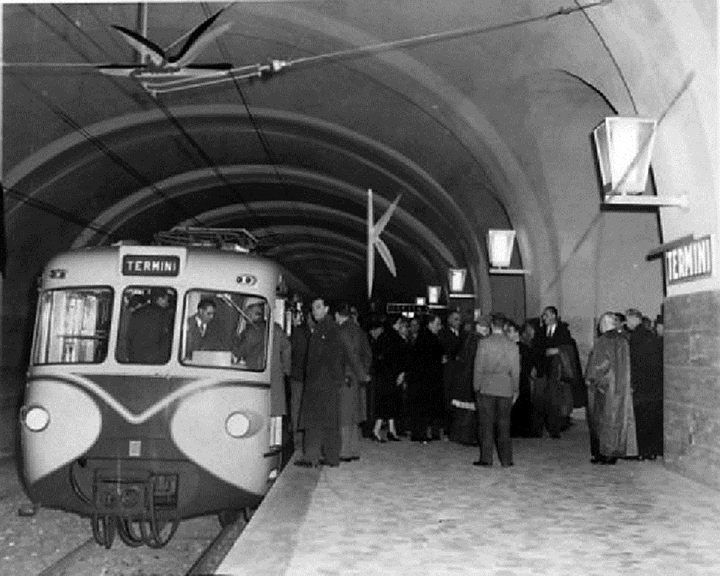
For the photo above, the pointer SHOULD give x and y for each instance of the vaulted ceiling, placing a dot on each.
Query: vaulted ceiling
(465, 108)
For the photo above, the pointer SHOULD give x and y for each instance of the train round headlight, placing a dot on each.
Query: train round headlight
(36, 418)
(237, 424)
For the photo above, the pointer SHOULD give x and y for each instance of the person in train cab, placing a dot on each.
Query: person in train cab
(299, 340)
(199, 327)
(249, 342)
(357, 374)
(647, 385)
(561, 370)
(391, 373)
(451, 339)
(610, 416)
(149, 333)
(324, 378)
(496, 380)
(425, 385)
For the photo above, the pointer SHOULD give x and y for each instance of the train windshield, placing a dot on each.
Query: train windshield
(145, 333)
(73, 326)
(227, 329)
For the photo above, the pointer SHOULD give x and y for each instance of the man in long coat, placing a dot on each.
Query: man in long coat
(357, 373)
(451, 339)
(610, 415)
(647, 385)
(324, 378)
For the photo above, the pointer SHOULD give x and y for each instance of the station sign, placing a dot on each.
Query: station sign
(401, 308)
(148, 265)
(688, 259)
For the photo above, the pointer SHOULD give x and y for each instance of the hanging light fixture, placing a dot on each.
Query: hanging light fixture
(433, 296)
(500, 248)
(624, 146)
(456, 279)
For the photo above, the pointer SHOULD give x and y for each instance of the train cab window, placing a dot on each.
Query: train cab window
(225, 329)
(145, 332)
(73, 326)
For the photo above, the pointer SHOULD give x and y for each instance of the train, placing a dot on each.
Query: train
(132, 419)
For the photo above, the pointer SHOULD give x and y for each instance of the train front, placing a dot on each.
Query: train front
(148, 394)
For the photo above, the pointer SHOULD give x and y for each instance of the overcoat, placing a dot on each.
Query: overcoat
(324, 377)
(353, 409)
(610, 414)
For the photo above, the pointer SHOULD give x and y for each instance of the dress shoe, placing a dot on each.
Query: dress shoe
(354, 458)
(376, 438)
(392, 437)
(507, 465)
(305, 464)
(346, 458)
(608, 461)
(481, 463)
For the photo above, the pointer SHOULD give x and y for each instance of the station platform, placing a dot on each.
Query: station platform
(413, 509)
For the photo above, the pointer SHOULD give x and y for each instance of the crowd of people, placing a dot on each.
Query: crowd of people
(479, 382)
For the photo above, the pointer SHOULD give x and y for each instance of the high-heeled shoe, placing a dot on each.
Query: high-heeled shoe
(376, 438)
(392, 437)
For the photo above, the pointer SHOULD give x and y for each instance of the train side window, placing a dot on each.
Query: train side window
(73, 326)
(145, 332)
(225, 329)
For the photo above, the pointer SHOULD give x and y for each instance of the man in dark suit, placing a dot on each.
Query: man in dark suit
(149, 333)
(324, 378)
(451, 339)
(558, 345)
(199, 327)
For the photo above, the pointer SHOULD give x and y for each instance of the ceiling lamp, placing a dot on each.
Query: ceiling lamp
(433, 296)
(500, 248)
(624, 147)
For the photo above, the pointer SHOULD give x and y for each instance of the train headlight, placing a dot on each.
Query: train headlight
(36, 418)
(237, 424)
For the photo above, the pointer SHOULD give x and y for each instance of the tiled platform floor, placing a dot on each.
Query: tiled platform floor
(410, 509)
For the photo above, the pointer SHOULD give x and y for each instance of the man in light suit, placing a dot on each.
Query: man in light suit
(496, 380)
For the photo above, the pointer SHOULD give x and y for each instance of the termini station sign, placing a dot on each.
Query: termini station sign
(688, 259)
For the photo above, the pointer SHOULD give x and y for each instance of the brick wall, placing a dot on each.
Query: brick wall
(692, 386)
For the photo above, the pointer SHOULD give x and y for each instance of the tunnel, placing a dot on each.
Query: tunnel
(477, 116)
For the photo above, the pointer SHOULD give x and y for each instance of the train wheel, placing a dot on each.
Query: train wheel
(127, 533)
(103, 528)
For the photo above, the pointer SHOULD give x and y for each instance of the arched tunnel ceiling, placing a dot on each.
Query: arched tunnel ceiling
(444, 122)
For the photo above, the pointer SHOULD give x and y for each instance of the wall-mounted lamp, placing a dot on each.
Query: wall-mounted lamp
(624, 147)
(456, 279)
(456, 282)
(433, 296)
(500, 248)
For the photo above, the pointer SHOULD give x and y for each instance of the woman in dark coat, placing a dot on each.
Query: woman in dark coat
(425, 387)
(392, 359)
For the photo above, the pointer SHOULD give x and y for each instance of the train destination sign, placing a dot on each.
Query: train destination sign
(688, 260)
(150, 265)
